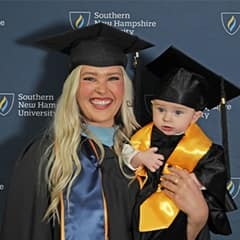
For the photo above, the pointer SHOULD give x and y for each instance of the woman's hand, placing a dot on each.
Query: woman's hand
(183, 190)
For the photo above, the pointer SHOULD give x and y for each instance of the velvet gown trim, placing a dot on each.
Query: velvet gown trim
(84, 214)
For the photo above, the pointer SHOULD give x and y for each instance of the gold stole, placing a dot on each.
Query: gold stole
(158, 211)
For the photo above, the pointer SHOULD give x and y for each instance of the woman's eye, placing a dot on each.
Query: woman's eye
(88, 79)
(113, 78)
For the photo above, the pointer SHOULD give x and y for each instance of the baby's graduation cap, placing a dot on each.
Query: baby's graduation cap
(96, 45)
(184, 81)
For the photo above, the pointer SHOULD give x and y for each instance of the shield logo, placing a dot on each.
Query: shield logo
(230, 22)
(6, 103)
(79, 19)
(234, 186)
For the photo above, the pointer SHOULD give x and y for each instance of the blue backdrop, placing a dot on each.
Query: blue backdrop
(31, 79)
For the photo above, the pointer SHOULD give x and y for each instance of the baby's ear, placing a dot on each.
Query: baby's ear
(196, 116)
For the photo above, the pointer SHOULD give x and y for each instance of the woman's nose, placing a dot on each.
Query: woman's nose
(101, 87)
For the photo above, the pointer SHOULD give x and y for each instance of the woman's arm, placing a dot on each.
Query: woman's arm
(183, 190)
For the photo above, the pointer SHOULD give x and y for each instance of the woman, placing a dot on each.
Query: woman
(72, 182)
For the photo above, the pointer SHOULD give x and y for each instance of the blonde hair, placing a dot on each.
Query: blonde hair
(63, 164)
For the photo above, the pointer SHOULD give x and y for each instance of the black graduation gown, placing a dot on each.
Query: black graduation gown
(120, 196)
(211, 172)
(28, 198)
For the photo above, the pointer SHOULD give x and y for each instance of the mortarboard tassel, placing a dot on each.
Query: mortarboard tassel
(224, 129)
(229, 203)
(137, 85)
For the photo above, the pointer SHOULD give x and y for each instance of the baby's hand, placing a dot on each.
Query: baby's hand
(149, 158)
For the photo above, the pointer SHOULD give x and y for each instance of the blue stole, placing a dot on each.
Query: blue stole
(84, 213)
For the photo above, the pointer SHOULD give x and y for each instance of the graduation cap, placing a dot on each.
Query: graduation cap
(182, 80)
(96, 45)
(185, 81)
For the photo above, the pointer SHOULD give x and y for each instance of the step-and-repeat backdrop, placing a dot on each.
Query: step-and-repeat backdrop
(31, 79)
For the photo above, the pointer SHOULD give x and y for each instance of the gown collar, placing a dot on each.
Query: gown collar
(104, 134)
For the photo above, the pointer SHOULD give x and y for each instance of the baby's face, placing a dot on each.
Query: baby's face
(172, 118)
